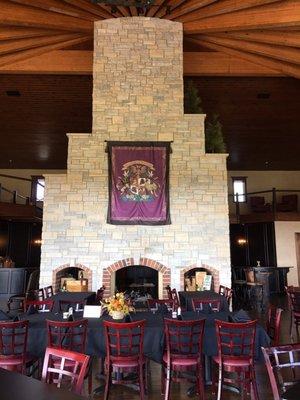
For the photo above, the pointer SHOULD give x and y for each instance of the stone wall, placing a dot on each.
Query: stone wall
(138, 95)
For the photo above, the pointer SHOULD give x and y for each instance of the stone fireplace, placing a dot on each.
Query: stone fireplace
(138, 96)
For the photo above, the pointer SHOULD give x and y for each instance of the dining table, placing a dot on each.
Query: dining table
(186, 297)
(15, 386)
(86, 297)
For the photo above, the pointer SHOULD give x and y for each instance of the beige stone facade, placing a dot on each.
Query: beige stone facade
(138, 95)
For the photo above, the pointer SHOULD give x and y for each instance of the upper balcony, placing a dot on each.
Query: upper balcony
(265, 206)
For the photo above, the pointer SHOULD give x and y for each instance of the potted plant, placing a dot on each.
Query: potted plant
(214, 140)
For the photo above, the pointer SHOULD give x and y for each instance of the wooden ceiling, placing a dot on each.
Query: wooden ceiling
(236, 42)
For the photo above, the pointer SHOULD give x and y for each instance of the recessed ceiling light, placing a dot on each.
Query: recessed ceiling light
(13, 93)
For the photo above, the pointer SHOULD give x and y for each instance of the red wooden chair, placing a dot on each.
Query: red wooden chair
(48, 292)
(169, 292)
(236, 355)
(175, 298)
(39, 305)
(13, 343)
(153, 304)
(124, 353)
(205, 304)
(183, 354)
(56, 368)
(70, 335)
(283, 366)
(295, 308)
(226, 292)
(273, 324)
(39, 294)
(99, 295)
(64, 305)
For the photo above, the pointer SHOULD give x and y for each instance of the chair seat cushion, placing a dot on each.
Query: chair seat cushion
(234, 361)
(126, 363)
(184, 361)
(17, 360)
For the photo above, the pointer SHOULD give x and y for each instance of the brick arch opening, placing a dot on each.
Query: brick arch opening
(213, 271)
(164, 273)
(59, 272)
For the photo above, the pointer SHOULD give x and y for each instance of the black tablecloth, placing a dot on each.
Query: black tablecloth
(154, 333)
(186, 298)
(89, 297)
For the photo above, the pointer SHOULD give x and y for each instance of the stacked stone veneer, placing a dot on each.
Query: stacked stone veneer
(138, 95)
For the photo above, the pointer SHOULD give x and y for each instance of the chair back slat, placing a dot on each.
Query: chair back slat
(236, 339)
(69, 335)
(206, 304)
(154, 304)
(283, 366)
(65, 368)
(184, 337)
(64, 305)
(48, 292)
(124, 339)
(40, 305)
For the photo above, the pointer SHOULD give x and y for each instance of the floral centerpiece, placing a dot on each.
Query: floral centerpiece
(117, 306)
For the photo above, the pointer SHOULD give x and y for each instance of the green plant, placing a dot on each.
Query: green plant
(214, 140)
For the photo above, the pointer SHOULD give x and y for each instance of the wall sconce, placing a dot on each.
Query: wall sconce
(241, 241)
(38, 242)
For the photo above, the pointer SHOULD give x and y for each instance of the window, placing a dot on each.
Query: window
(38, 188)
(239, 189)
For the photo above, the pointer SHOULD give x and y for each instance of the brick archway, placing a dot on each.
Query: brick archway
(212, 270)
(143, 261)
(58, 273)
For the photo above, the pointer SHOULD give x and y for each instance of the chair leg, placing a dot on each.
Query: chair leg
(253, 383)
(199, 382)
(141, 382)
(107, 382)
(90, 381)
(167, 385)
(163, 380)
(220, 378)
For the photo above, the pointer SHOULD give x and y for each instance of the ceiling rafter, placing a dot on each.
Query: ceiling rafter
(26, 54)
(155, 8)
(280, 14)
(90, 7)
(283, 53)
(222, 7)
(16, 14)
(11, 46)
(285, 68)
(15, 32)
(283, 38)
(58, 7)
(189, 7)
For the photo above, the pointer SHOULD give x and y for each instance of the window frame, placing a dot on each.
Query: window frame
(34, 186)
(244, 180)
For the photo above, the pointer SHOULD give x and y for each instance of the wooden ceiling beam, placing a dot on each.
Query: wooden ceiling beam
(90, 7)
(58, 7)
(219, 64)
(11, 46)
(79, 62)
(15, 32)
(27, 54)
(133, 11)
(280, 14)
(16, 14)
(223, 7)
(189, 7)
(56, 62)
(283, 38)
(285, 68)
(286, 54)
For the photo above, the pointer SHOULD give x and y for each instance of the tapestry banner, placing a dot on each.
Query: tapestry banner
(138, 183)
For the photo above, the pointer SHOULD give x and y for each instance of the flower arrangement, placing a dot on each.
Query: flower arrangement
(117, 306)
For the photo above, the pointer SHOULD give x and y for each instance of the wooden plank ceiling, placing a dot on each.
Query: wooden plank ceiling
(225, 38)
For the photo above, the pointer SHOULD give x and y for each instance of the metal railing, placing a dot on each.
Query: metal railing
(273, 203)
